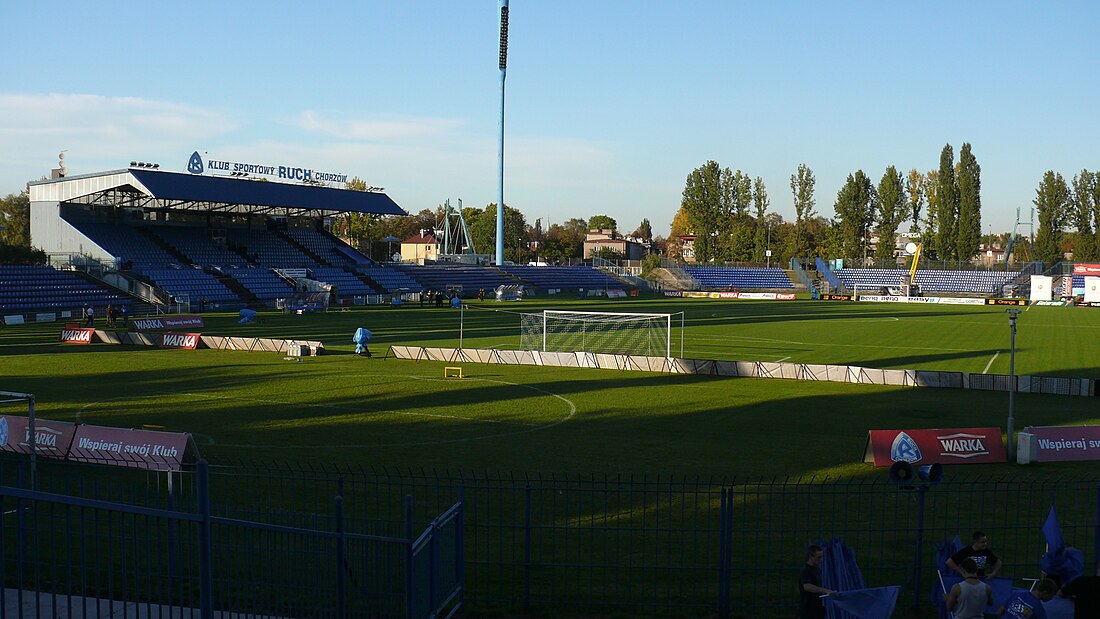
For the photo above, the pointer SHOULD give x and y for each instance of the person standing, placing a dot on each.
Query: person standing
(1085, 591)
(987, 562)
(810, 605)
(968, 599)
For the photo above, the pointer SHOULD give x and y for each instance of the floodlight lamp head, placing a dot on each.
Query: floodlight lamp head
(1013, 314)
(503, 34)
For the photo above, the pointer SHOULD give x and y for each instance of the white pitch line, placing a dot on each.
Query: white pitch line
(782, 360)
(987, 366)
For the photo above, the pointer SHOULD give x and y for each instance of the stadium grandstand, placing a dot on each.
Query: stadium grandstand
(958, 282)
(739, 278)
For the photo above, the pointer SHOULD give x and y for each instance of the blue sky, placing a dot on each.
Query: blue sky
(610, 105)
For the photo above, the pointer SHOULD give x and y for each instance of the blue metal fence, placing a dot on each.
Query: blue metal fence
(282, 545)
(114, 542)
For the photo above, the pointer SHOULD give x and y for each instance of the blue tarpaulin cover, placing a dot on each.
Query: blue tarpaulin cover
(1060, 562)
(246, 316)
(854, 600)
(361, 337)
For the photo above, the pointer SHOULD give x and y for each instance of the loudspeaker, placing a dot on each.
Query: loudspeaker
(901, 473)
(931, 473)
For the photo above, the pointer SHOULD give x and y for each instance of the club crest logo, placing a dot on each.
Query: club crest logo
(904, 449)
(195, 166)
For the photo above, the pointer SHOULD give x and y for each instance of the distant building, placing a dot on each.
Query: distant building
(417, 249)
(628, 247)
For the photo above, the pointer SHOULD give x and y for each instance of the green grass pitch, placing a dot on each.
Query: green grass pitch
(342, 409)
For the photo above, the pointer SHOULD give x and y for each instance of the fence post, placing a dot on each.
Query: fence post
(723, 556)
(527, 547)
(460, 559)
(206, 565)
(921, 490)
(409, 572)
(340, 548)
(1096, 532)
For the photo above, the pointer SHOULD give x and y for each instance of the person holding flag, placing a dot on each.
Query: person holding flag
(809, 585)
(1023, 605)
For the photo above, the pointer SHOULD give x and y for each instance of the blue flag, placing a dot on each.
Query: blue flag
(1053, 532)
(1060, 562)
(876, 603)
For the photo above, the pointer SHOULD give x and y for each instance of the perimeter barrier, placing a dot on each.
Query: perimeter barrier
(295, 541)
(755, 369)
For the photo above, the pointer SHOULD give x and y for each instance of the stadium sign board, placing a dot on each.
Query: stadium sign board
(145, 449)
(946, 445)
(76, 335)
(51, 438)
(1065, 443)
(1006, 301)
(1086, 269)
(188, 341)
(165, 322)
(196, 165)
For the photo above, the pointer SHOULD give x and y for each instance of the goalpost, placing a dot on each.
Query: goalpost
(601, 332)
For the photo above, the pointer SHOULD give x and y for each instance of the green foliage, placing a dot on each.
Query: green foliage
(855, 210)
(947, 206)
(644, 231)
(802, 189)
(1052, 202)
(15, 217)
(915, 188)
(649, 263)
(1082, 210)
(890, 210)
(602, 222)
(969, 232)
(707, 200)
(483, 232)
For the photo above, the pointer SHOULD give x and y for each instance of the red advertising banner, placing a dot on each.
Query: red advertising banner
(1066, 443)
(143, 449)
(179, 340)
(51, 438)
(76, 335)
(165, 323)
(950, 445)
(1086, 269)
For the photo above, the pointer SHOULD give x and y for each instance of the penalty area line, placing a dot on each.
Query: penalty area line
(990, 364)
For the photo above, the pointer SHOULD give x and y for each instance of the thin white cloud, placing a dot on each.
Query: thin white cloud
(100, 132)
(377, 130)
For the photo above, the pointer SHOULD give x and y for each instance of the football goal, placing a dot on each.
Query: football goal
(653, 335)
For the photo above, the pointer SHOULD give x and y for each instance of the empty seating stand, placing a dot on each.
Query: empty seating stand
(962, 282)
(347, 284)
(191, 283)
(25, 289)
(563, 277)
(391, 279)
(739, 277)
(469, 277)
(265, 284)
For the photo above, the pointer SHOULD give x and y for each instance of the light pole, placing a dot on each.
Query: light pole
(1012, 314)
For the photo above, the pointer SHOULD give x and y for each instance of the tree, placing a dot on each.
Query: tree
(1052, 200)
(969, 231)
(680, 227)
(1081, 210)
(854, 209)
(931, 194)
(15, 217)
(760, 204)
(602, 222)
(707, 197)
(736, 233)
(1096, 209)
(802, 188)
(947, 206)
(915, 187)
(890, 211)
(644, 231)
(564, 241)
(483, 230)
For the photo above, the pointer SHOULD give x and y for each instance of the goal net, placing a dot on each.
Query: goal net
(601, 332)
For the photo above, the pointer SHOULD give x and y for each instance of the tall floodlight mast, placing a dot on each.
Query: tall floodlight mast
(500, 150)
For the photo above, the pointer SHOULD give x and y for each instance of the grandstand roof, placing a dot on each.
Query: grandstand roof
(141, 187)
